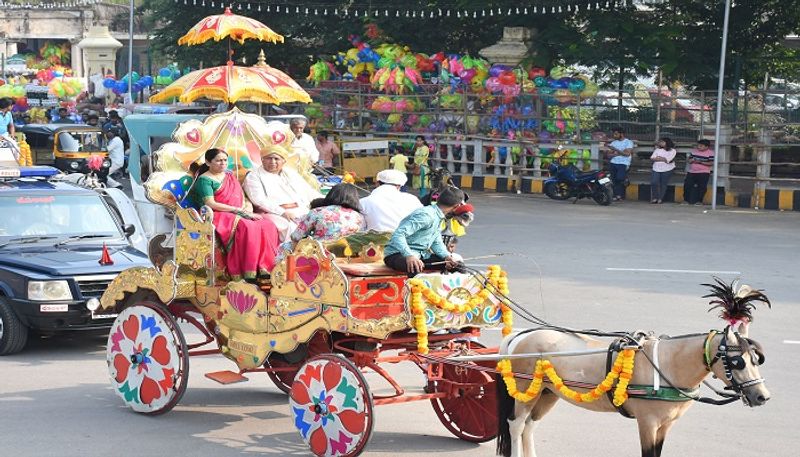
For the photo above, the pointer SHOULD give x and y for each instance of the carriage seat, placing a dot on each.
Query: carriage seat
(367, 269)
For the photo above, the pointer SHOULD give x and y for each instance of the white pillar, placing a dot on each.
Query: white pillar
(477, 158)
(451, 166)
(464, 167)
(509, 160)
(764, 159)
(496, 160)
(77, 59)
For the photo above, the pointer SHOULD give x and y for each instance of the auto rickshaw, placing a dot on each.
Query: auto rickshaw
(71, 145)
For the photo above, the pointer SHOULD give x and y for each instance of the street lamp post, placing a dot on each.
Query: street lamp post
(719, 102)
(130, 54)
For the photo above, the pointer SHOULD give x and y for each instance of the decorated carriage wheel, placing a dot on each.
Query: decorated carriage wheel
(147, 358)
(318, 344)
(331, 406)
(471, 412)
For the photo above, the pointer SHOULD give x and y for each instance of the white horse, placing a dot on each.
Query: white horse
(655, 401)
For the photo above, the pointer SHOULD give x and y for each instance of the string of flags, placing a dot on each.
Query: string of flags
(47, 5)
(544, 7)
(354, 10)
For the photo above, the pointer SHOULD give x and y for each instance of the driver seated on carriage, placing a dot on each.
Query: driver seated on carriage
(417, 243)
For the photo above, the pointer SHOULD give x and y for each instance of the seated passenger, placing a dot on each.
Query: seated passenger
(68, 143)
(333, 217)
(417, 243)
(386, 206)
(249, 240)
(279, 193)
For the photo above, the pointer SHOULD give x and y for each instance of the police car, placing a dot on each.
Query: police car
(61, 245)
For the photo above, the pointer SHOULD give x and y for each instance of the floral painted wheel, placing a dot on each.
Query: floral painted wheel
(147, 358)
(331, 406)
(320, 343)
(470, 412)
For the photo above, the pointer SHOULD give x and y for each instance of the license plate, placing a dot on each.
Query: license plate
(604, 180)
(104, 316)
(53, 308)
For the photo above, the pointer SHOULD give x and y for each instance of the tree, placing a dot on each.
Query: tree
(693, 37)
(680, 37)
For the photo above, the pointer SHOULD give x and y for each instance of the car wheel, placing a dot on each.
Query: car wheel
(13, 334)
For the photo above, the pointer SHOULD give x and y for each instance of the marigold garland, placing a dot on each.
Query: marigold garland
(622, 370)
(496, 280)
(25, 157)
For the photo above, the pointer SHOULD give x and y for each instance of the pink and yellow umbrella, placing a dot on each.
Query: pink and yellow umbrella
(229, 25)
(230, 83)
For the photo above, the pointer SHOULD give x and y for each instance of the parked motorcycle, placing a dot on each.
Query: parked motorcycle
(569, 182)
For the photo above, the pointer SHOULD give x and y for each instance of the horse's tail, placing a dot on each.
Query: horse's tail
(505, 411)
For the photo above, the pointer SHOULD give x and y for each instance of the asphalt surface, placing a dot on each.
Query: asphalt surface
(624, 267)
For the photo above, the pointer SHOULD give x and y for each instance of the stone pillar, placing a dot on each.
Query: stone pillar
(99, 50)
(511, 49)
(477, 158)
(77, 58)
(723, 161)
(764, 160)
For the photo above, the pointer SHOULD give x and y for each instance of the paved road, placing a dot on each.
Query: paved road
(576, 265)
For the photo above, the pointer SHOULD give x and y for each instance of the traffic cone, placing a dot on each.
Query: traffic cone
(105, 259)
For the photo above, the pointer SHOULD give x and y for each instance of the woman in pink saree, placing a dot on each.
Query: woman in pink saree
(249, 241)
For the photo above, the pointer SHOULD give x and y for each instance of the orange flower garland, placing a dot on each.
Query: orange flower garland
(496, 279)
(622, 369)
(25, 158)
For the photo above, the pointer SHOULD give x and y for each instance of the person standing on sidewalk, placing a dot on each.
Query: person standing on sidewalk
(663, 158)
(700, 162)
(420, 180)
(619, 151)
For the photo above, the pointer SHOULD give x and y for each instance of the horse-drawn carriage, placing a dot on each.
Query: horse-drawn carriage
(330, 310)
(327, 312)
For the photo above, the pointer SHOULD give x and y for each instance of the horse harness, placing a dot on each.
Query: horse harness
(669, 392)
(641, 391)
(734, 363)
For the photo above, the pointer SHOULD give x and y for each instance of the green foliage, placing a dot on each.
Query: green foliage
(690, 34)
(680, 37)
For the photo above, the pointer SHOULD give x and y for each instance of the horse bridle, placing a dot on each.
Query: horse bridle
(731, 363)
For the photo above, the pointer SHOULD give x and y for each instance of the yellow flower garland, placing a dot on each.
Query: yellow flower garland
(496, 279)
(25, 157)
(622, 369)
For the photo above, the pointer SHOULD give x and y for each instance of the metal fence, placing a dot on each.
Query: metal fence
(518, 135)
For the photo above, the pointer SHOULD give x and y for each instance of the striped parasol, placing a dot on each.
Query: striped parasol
(230, 83)
(229, 25)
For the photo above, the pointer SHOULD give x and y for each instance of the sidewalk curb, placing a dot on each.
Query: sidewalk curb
(772, 198)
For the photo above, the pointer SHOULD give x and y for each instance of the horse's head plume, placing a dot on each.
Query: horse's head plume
(736, 302)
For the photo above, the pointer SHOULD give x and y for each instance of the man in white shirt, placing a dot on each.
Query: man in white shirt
(620, 152)
(386, 206)
(98, 89)
(303, 144)
(279, 192)
(116, 154)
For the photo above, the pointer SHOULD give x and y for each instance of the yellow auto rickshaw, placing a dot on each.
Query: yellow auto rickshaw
(71, 145)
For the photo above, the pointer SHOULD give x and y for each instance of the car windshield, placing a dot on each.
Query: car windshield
(55, 215)
(79, 141)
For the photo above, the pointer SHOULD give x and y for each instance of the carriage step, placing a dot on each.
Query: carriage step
(226, 377)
